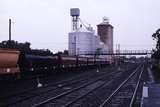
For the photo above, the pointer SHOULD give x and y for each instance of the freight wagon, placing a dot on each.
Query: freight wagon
(14, 62)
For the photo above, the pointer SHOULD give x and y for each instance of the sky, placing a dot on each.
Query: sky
(46, 23)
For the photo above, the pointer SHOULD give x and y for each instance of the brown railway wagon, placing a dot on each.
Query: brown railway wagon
(69, 61)
(9, 61)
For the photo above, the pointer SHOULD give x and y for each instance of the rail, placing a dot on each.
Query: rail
(135, 92)
(120, 86)
(73, 90)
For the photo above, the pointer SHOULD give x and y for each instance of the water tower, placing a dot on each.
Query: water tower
(75, 12)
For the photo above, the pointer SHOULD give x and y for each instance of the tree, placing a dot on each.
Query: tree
(156, 36)
(156, 54)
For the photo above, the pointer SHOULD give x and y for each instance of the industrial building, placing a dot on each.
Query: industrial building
(83, 40)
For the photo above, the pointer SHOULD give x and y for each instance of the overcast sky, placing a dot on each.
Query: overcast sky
(46, 23)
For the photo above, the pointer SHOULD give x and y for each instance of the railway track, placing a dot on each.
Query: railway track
(75, 97)
(70, 97)
(45, 85)
(63, 85)
(71, 94)
(46, 79)
(77, 89)
(125, 94)
(30, 80)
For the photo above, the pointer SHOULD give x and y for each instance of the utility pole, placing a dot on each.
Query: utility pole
(119, 49)
(9, 29)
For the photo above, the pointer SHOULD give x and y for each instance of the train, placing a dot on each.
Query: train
(16, 63)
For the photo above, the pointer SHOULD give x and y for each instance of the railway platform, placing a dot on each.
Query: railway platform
(151, 95)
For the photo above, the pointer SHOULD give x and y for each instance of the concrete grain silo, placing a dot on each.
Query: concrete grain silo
(81, 42)
(105, 31)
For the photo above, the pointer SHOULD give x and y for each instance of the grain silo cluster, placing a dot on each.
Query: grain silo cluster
(83, 40)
